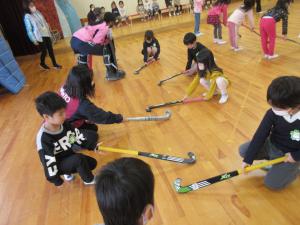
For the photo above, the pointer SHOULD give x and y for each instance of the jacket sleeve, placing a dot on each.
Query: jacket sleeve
(29, 28)
(193, 85)
(145, 53)
(260, 136)
(250, 18)
(285, 23)
(98, 115)
(225, 15)
(48, 161)
(189, 62)
(158, 50)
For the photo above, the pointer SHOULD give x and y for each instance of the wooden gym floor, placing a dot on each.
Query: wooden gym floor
(214, 132)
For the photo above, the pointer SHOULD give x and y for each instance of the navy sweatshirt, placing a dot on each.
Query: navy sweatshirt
(192, 54)
(284, 133)
(153, 43)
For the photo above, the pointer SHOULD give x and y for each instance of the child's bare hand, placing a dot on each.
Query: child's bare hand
(289, 158)
(244, 166)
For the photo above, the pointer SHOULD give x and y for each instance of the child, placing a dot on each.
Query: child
(268, 27)
(236, 19)
(123, 12)
(91, 15)
(197, 11)
(169, 5)
(278, 133)
(209, 74)
(56, 140)
(140, 9)
(155, 7)
(80, 111)
(178, 7)
(39, 33)
(115, 12)
(151, 47)
(96, 40)
(148, 9)
(125, 192)
(219, 7)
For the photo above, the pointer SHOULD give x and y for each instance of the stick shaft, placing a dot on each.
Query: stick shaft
(171, 77)
(117, 150)
(190, 100)
(165, 104)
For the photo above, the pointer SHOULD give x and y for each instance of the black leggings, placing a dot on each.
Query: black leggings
(218, 31)
(47, 45)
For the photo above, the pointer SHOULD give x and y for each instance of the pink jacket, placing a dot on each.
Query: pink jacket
(96, 34)
(198, 6)
(218, 10)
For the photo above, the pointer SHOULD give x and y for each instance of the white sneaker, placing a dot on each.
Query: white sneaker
(221, 42)
(266, 56)
(238, 49)
(216, 40)
(223, 98)
(199, 34)
(232, 48)
(68, 177)
(273, 56)
(90, 183)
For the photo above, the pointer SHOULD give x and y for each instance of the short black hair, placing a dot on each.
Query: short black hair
(79, 82)
(189, 38)
(121, 2)
(109, 17)
(281, 4)
(248, 4)
(26, 4)
(284, 92)
(149, 35)
(49, 102)
(124, 188)
(91, 5)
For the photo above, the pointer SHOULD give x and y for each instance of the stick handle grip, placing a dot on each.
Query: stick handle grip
(117, 150)
(189, 100)
(263, 164)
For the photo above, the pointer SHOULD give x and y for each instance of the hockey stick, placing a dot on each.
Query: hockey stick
(136, 72)
(190, 160)
(219, 178)
(167, 116)
(169, 78)
(149, 108)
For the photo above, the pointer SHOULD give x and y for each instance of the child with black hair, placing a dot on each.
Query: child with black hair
(268, 27)
(123, 12)
(278, 133)
(148, 9)
(155, 8)
(151, 47)
(210, 76)
(213, 17)
(56, 140)
(91, 15)
(125, 192)
(178, 7)
(97, 40)
(140, 9)
(171, 8)
(80, 111)
(115, 12)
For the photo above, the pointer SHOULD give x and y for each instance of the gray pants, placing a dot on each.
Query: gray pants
(280, 175)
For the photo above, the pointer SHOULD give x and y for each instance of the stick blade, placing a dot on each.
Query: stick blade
(177, 184)
(181, 189)
(192, 158)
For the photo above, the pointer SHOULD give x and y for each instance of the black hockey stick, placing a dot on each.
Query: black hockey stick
(169, 78)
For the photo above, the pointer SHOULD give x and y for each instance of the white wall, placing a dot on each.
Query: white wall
(82, 6)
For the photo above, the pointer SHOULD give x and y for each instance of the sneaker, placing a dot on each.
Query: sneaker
(232, 48)
(57, 67)
(68, 177)
(112, 76)
(90, 183)
(223, 98)
(299, 36)
(221, 42)
(199, 34)
(44, 67)
(266, 56)
(274, 56)
(170, 14)
(238, 49)
(216, 40)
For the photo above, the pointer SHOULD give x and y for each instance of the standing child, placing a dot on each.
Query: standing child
(148, 9)
(151, 47)
(140, 9)
(219, 8)
(115, 12)
(178, 7)
(236, 19)
(80, 111)
(268, 27)
(278, 133)
(209, 74)
(125, 192)
(197, 11)
(169, 5)
(123, 12)
(56, 140)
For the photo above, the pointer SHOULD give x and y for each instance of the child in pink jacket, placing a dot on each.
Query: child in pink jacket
(219, 8)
